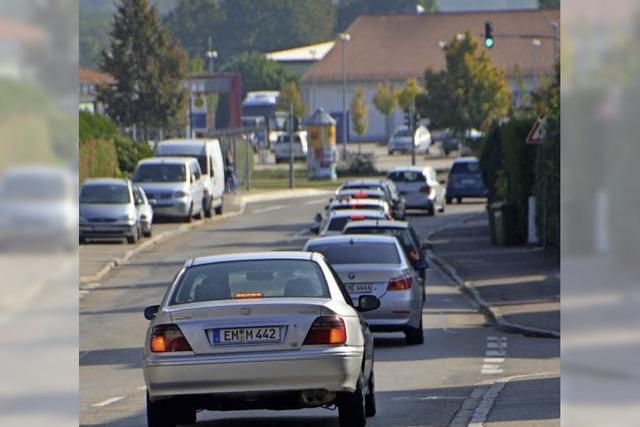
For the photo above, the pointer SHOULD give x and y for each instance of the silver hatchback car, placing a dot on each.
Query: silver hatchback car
(273, 330)
(377, 265)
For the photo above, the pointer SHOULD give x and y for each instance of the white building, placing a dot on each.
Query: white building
(393, 48)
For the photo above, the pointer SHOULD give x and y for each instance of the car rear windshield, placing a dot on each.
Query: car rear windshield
(273, 278)
(466, 167)
(347, 206)
(104, 193)
(337, 224)
(160, 173)
(358, 252)
(287, 139)
(407, 176)
(403, 235)
(403, 132)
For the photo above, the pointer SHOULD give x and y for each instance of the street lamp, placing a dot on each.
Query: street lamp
(312, 98)
(536, 45)
(442, 44)
(211, 54)
(344, 38)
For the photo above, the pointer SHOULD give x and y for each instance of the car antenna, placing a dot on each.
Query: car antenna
(352, 242)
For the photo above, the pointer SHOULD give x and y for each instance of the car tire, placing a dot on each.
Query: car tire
(134, 239)
(442, 207)
(168, 414)
(370, 398)
(200, 214)
(208, 212)
(414, 336)
(431, 211)
(82, 240)
(189, 216)
(459, 200)
(449, 200)
(390, 152)
(218, 210)
(351, 407)
(148, 233)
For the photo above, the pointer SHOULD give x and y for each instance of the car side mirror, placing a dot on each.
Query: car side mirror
(150, 312)
(421, 265)
(368, 303)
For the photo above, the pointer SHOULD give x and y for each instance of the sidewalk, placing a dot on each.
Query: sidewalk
(516, 287)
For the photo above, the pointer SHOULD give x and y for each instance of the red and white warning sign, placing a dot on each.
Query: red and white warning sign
(536, 134)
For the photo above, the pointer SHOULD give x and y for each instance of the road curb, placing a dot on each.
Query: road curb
(244, 200)
(493, 314)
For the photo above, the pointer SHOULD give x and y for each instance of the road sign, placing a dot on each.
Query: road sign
(536, 134)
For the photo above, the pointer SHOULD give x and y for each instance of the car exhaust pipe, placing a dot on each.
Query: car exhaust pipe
(317, 397)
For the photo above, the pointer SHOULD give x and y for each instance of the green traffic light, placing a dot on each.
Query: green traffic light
(488, 43)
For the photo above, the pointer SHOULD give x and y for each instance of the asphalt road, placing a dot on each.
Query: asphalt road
(462, 364)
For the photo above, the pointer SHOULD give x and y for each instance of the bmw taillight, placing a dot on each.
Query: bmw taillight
(400, 283)
(425, 189)
(327, 330)
(168, 338)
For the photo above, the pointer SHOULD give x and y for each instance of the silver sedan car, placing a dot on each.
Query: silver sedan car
(273, 330)
(377, 265)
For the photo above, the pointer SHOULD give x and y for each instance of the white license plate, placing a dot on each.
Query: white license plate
(468, 181)
(359, 288)
(259, 335)
(99, 228)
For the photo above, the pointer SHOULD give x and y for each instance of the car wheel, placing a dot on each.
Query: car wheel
(390, 152)
(208, 212)
(459, 200)
(83, 240)
(351, 407)
(218, 210)
(370, 398)
(449, 200)
(134, 239)
(442, 207)
(149, 232)
(189, 216)
(166, 413)
(200, 214)
(414, 336)
(431, 211)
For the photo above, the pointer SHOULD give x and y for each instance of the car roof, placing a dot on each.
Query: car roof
(250, 256)
(410, 168)
(468, 159)
(111, 181)
(192, 141)
(369, 202)
(358, 238)
(360, 190)
(363, 182)
(169, 160)
(350, 212)
(386, 223)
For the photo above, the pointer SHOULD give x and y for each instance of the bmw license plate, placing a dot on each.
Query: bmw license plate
(258, 335)
(360, 288)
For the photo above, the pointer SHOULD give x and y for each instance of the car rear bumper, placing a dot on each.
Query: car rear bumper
(172, 209)
(421, 201)
(467, 192)
(398, 309)
(106, 231)
(331, 369)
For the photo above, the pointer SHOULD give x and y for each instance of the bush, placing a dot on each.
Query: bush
(491, 162)
(98, 158)
(95, 126)
(359, 164)
(130, 153)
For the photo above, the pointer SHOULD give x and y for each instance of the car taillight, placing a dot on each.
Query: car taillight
(356, 217)
(400, 284)
(327, 330)
(425, 189)
(168, 338)
(360, 195)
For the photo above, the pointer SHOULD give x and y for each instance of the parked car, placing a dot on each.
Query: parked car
(245, 331)
(145, 211)
(420, 187)
(403, 139)
(403, 231)
(209, 156)
(336, 220)
(38, 209)
(282, 147)
(396, 201)
(108, 210)
(352, 204)
(173, 186)
(465, 180)
(377, 265)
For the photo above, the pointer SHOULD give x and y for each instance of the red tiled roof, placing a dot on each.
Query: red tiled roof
(87, 75)
(394, 47)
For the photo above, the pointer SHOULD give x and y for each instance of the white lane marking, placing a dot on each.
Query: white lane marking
(492, 363)
(144, 387)
(482, 411)
(430, 398)
(443, 323)
(312, 202)
(82, 293)
(107, 402)
(269, 209)
(92, 286)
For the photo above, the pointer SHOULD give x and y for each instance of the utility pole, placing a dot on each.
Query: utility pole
(345, 38)
(291, 145)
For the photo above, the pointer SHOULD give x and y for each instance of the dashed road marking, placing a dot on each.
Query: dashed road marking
(312, 202)
(493, 361)
(107, 402)
(269, 209)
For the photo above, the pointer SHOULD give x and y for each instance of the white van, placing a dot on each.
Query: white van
(209, 156)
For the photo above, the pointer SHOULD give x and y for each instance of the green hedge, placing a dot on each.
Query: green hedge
(98, 158)
(130, 152)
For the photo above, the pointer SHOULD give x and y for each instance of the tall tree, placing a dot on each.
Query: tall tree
(385, 101)
(268, 25)
(291, 94)
(258, 72)
(359, 114)
(349, 10)
(469, 94)
(148, 66)
(192, 22)
(407, 96)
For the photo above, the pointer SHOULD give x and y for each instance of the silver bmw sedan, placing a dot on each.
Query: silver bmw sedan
(271, 330)
(377, 265)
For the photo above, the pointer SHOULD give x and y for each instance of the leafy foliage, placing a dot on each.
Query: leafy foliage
(258, 72)
(469, 94)
(95, 126)
(130, 152)
(407, 96)
(386, 101)
(349, 10)
(290, 93)
(192, 22)
(148, 66)
(358, 164)
(359, 112)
